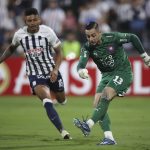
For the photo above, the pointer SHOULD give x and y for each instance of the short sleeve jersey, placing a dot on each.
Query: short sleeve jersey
(109, 55)
(37, 48)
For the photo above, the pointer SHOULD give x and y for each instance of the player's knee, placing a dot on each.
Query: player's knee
(106, 94)
(106, 97)
(62, 101)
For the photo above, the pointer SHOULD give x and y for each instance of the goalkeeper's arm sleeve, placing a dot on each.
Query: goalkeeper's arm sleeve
(137, 43)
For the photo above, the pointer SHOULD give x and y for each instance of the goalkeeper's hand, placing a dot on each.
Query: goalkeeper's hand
(83, 73)
(146, 59)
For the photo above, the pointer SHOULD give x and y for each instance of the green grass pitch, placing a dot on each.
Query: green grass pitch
(25, 126)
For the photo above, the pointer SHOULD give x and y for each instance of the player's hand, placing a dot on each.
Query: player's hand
(83, 73)
(53, 75)
(146, 59)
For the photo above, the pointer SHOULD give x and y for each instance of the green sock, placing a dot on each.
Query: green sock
(105, 123)
(100, 110)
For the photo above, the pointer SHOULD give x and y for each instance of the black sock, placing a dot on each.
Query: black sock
(52, 114)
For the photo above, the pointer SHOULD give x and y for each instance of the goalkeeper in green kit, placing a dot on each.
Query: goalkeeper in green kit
(108, 54)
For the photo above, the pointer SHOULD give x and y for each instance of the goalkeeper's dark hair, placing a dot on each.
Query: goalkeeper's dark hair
(31, 11)
(91, 25)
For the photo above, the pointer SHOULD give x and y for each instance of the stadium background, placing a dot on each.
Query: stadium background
(67, 18)
(23, 124)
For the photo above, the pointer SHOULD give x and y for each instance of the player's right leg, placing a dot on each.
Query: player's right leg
(40, 88)
(44, 94)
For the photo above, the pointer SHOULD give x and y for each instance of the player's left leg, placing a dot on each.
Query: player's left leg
(58, 92)
(105, 123)
(100, 111)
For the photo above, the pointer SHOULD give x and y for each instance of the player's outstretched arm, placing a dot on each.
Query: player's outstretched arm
(139, 47)
(7, 53)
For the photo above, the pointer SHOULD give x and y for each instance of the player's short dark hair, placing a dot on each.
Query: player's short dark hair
(31, 11)
(91, 25)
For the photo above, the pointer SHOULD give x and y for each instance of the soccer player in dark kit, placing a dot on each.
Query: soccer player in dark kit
(46, 82)
(107, 51)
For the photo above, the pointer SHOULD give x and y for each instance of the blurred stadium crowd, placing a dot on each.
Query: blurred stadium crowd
(68, 17)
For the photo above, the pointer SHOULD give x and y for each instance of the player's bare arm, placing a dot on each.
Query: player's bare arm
(8, 52)
(58, 59)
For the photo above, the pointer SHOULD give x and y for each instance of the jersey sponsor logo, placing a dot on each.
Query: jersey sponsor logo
(43, 76)
(123, 40)
(36, 46)
(35, 52)
(107, 61)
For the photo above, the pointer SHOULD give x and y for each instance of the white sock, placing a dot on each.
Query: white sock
(45, 100)
(108, 134)
(64, 132)
(90, 123)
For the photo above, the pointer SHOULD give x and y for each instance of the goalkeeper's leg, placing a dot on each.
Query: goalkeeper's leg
(106, 127)
(105, 123)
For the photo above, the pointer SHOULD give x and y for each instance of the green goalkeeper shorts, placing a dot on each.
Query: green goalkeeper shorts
(119, 80)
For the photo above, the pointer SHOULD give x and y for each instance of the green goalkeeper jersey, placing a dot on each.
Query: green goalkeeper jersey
(109, 55)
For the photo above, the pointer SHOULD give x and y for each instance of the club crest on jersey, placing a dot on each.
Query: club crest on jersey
(111, 48)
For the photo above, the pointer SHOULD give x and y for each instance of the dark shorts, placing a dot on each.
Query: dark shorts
(57, 86)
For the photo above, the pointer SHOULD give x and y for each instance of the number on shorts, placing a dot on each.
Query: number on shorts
(118, 80)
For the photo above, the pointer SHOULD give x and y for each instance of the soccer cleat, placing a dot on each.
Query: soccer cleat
(107, 141)
(65, 135)
(83, 126)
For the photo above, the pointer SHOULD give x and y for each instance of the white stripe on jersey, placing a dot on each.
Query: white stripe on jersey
(37, 48)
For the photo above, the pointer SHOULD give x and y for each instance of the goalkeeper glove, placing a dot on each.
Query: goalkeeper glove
(83, 73)
(146, 59)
